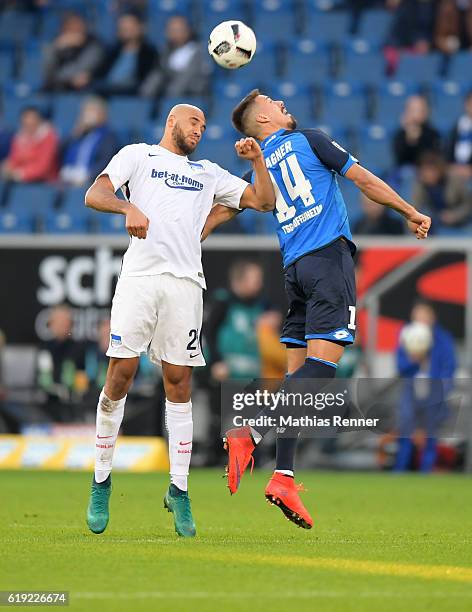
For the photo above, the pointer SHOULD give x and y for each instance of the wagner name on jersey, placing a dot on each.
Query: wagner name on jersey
(176, 195)
(310, 209)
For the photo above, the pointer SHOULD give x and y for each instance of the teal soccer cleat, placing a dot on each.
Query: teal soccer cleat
(178, 502)
(98, 513)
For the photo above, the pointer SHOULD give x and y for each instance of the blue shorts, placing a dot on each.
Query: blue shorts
(321, 292)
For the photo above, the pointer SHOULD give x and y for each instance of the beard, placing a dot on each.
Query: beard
(179, 139)
(292, 122)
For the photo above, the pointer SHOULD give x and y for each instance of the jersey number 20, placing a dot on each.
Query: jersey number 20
(300, 188)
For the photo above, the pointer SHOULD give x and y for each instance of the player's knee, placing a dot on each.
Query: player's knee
(178, 385)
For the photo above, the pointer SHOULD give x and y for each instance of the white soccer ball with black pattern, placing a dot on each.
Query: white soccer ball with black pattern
(232, 44)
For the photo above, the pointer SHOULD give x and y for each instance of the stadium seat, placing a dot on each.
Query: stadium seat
(221, 151)
(273, 20)
(31, 71)
(307, 61)
(129, 113)
(264, 67)
(11, 222)
(66, 110)
(6, 66)
(73, 199)
(421, 68)
(447, 104)
(461, 68)
(391, 98)
(297, 98)
(330, 27)
(66, 222)
(13, 105)
(375, 25)
(375, 147)
(159, 11)
(351, 195)
(214, 12)
(31, 200)
(16, 26)
(363, 62)
(344, 103)
(108, 224)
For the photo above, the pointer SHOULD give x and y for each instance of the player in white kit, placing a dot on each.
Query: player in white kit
(157, 306)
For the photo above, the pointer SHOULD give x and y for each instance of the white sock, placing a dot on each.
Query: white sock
(180, 428)
(109, 416)
(286, 472)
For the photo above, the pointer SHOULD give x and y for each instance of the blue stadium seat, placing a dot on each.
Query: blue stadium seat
(330, 27)
(461, 68)
(66, 222)
(214, 12)
(159, 11)
(447, 104)
(31, 199)
(32, 70)
(375, 25)
(221, 151)
(339, 133)
(129, 113)
(6, 66)
(263, 68)
(13, 105)
(73, 199)
(11, 222)
(344, 103)
(50, 24)
(253, 222)
(16, 26)
(362, 61)
(298, 100)
(351, 195)
(391, 100)
(375, 147)
(66, 111)
(307, 61)
(109, 224)
(274, 20)
(226, 95)
(420, 68)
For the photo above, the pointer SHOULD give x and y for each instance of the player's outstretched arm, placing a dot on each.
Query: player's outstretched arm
(378, 191)
(101, 196)
(261, 195)
(219, 214)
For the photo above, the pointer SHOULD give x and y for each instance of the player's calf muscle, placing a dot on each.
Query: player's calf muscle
(120, 375)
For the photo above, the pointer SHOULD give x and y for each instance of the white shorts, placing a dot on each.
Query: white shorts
(159, 314)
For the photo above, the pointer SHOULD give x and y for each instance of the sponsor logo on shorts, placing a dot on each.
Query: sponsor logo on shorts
(115, 341)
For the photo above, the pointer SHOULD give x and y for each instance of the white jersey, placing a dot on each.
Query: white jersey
(176, 195)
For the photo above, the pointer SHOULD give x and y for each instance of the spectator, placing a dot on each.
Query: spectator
(447, 37)
(460, 146)
(34, 149)
(416, 134)
(376, 220)
(425, 350)
(61, 365)
(273, 353)
(442, 195)
(72, 59)
(130, 61)
(184, 65)
(91, 145)
(412, 25)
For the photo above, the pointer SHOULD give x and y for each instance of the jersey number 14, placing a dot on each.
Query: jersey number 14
(300, 188)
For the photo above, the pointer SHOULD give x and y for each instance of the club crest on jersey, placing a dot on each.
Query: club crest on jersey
(177, 181)
(115, 340)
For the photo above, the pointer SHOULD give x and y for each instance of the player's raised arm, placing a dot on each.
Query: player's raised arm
(378, 191)
(261, 195)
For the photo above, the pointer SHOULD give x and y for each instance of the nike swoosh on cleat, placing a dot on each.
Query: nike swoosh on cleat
(185, 443)
(103, 437)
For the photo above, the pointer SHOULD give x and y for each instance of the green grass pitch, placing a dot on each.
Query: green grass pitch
(380, 542)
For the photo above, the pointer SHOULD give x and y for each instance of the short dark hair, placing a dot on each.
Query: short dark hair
(240, 112)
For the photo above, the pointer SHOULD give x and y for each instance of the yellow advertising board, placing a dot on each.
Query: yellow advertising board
(132, 454)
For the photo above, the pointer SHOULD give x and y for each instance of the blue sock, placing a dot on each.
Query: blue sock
(312, 369)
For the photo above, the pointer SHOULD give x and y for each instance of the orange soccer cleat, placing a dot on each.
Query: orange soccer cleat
(239, 445)
(283, 492)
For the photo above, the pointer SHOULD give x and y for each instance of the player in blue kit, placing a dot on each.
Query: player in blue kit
(317, 250)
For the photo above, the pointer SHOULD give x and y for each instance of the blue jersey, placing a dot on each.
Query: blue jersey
(310, 211)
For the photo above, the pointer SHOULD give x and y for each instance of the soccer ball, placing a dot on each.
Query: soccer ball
(232, 44)
(416, 338)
